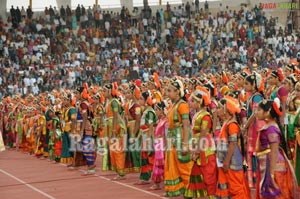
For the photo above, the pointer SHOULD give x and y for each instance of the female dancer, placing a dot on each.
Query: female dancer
(98, 110)
(231, 178)
(177, 161)
(253, 86)
(57, 136)
(55, 143)
(41, 131)
(133, 113)
(274, 82)
(148, 122)
(292, 104)
(69, 118)
(8, 136)
(297, 136)
(275, 176)
(115, 130)
(51, 135)
(203, 178)
(159, 144)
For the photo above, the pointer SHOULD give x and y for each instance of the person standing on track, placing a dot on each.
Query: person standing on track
(69, 126)
(88, 143)
(116, 129)
(178, 164)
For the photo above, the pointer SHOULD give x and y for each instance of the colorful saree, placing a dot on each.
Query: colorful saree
(41, 131)
(133, 155)
(297, 147)
(203, 178)
(283, 184)
(252, 104)
(147, 157)
(116, 146)
(159, 146)
(177, 166)
(67, 155)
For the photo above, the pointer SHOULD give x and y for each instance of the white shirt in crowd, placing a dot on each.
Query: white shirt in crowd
(145, 22)
(173, 20)
(135, 61)
(221, 21)
(40, 80)
(182, 62)
(26, 81)
(24, 90)
(136, 68)
(32, 81)
(189, 64)
(146, 76)
(10, 88)
(73, 76)
(35, 89)
(39, 55)
(107, 25)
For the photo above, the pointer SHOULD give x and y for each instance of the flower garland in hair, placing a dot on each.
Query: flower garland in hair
(258, 81)
(73, 100)
(181, 88)
(210, 84)
(276, 106)
(194, 81)
(167, 106)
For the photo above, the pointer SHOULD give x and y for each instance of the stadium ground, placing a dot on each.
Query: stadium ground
(23, 176)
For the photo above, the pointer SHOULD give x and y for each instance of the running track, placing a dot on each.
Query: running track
(23, 176)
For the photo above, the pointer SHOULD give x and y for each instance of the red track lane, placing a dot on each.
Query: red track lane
(23, 176)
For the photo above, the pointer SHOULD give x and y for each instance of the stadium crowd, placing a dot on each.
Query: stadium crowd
(62, 49)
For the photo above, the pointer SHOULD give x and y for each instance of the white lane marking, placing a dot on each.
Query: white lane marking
(126, 185)
(28, 185)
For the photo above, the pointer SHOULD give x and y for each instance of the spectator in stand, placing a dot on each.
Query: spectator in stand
(29, 12)
(164, 42)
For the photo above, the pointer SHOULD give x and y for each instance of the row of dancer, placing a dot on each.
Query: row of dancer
(214, 136)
